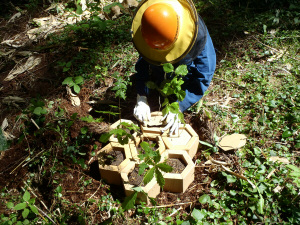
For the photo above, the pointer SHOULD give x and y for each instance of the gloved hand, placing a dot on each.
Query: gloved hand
(142, 110)
(173, 123)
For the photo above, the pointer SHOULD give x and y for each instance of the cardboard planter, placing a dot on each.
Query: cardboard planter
(152, 188)
(159, 145)
(116, 124)
(153, 127)
(179, 182)
(111, 173)
(187, 140)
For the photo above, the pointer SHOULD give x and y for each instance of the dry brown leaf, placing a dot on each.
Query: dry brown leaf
(279, 159)
(75, 100)
(233, 141)
(31, 62)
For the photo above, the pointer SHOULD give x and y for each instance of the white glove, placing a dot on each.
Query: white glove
(142, 110)
(173, 122)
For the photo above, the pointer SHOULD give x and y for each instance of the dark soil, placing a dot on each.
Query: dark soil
(114, 157)
(177, 164)
(134, 177)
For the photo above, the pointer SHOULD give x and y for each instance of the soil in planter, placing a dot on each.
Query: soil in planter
(177, 164)
(114, 158)
(134, 178)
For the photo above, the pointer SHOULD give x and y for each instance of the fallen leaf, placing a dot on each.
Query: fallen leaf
(279, 159)
(12, 19)
(31, 62)
(233, 141)
(75, 100)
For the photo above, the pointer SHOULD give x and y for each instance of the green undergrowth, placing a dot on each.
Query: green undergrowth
(255, 92)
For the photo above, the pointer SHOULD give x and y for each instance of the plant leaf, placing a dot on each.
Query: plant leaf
(198, 215)
(20, 206)
(76, 88)
(10, 205)
(33, 209)
(26, 196)
(181, 70)
(149, 175)
(129, 201)
(165, 167)
(204, 199)
(168, 67)
(159, 178)
(260, 205)
(25, 213)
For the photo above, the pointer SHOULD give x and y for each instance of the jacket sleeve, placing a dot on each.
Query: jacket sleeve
(200, 74)
(142, 76)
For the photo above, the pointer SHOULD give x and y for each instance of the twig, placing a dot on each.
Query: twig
(92, 195)
(238, 175)
(274, 49)
(19, 165)
(170, 205)
(218, 162)
(30, 189)
(37, 126)
(33, 157)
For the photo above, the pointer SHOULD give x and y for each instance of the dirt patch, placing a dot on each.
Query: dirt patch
(177, 164)
(114, 157)
(134, 177)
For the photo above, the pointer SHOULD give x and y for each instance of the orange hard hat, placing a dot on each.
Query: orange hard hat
(159, 26)
(164, 30)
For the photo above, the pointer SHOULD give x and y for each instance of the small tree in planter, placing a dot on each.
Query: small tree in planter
(171, 86)
(151, 166)
(155, 141)
(110, 171)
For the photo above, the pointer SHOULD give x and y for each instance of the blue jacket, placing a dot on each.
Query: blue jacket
(201, 68)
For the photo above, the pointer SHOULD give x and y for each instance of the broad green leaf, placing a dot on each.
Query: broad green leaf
(38, 111)
(138, 189)
(20, 206)
(165, 167)
(33, 209)
(168, 67)
(208, 114)
(79, 10)
(104, 137)
(287, 134)
(76, 88)
(68, 81)
(78, 80)
(10, 205)
(181, 70)
(159, 178)
(149, 175)
(260, 205)
(205, 143)
(198, 214)
(142, 167)
(204, 199)
(231, 179)
(25, 213)
(69, 64)
(26, 196)
(58, 189)
(129, 201)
